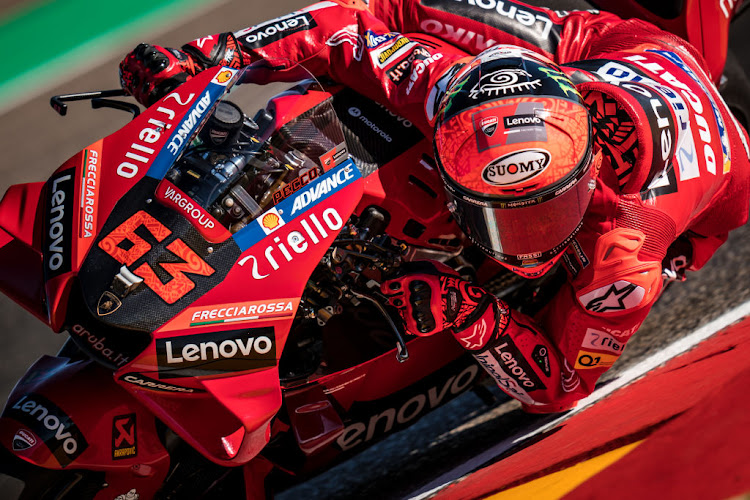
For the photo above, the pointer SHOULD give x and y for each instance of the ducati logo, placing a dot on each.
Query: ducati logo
(489, 125)
(108, 303)
(23, 440)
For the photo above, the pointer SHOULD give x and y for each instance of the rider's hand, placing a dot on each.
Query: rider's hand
(431, 297)
(150, 72)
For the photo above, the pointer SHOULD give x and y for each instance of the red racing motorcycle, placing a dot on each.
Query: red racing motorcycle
(217, 272)
(218, 275)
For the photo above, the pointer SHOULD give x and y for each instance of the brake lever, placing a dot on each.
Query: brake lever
(402, 353)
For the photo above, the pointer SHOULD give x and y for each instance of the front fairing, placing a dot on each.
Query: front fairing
(193, 312)
(65, 414)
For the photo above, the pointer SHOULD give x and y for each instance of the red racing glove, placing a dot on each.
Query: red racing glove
(150, 72)
(431, 297)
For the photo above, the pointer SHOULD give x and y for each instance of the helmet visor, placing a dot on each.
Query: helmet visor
(525, 232)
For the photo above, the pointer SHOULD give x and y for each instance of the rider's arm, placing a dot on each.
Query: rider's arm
(563, 36)
(344, 42)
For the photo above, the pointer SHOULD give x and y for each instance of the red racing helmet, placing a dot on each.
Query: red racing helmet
(514, 145)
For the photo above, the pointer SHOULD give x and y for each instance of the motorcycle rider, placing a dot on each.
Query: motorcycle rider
(577, 137)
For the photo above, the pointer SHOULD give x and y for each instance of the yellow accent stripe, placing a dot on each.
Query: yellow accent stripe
(559, 484)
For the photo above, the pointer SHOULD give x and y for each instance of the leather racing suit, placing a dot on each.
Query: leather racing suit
(672, 184)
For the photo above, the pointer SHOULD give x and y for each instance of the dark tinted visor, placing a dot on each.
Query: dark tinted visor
(525, 232)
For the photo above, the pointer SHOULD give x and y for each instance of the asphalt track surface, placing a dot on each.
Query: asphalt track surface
(34, 141)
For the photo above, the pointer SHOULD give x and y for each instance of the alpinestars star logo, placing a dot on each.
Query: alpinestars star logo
(616, 299)
(476, 339)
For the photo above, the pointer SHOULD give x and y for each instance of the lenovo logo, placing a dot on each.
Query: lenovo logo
(216, 352)
(52, 425)
(60, 209)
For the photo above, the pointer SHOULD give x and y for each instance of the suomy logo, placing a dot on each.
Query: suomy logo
(149, 383)
(54, 427)
(516, 167)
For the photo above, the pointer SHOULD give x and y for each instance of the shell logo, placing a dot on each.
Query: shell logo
(271, 221)
(224, 76)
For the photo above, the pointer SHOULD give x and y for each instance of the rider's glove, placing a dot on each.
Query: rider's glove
(431, 297)
(150, 72)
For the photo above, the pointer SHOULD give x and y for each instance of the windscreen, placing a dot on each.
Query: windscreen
(243, 160)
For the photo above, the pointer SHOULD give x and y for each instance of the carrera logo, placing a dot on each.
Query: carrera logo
(149, 383)
(215, 353)
(23, 440)
(314, 231)
(516, 167)
(56, 429)
(489, 125)
(276, 29)
(124, 437)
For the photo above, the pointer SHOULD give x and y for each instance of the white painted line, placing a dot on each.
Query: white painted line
(628, 376)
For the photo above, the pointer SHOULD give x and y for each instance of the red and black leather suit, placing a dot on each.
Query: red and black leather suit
(674, 174)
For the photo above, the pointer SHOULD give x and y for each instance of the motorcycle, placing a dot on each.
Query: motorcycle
(218, 276)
